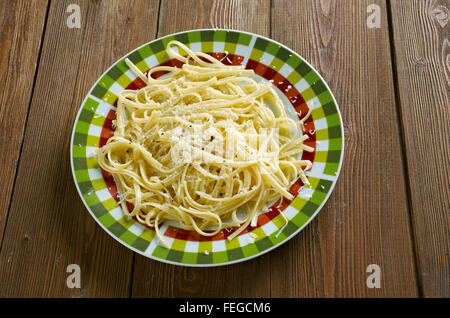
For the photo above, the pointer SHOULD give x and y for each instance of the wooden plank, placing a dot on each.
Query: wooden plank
(21, 28)
(48, 226)
(365, 221)
(422, 51)
(247, 279)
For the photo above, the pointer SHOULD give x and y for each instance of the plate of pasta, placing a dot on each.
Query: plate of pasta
(207, 147)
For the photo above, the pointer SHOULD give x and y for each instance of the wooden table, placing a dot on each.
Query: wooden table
(391, 203)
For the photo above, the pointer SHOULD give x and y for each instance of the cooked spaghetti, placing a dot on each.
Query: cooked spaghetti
(205, 145)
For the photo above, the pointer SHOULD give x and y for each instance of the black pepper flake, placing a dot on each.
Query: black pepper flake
(212, 138)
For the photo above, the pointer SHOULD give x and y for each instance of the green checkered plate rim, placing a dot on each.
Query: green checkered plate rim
(297, 82)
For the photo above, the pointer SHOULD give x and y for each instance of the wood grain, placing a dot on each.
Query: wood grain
(365, 221)
(21, 29)
(421, 32)
(48, 226)
(247, 279)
